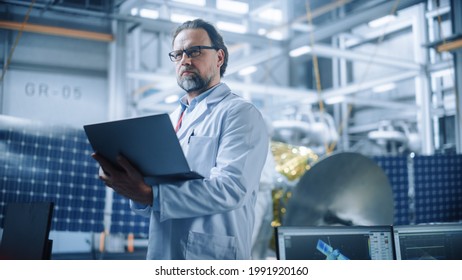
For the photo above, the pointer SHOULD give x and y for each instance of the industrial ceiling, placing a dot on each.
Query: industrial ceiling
(345, 72)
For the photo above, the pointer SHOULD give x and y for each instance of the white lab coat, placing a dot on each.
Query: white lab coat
(224, 138)
(263, 230)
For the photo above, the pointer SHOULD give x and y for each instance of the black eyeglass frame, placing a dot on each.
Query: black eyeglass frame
(189, 52)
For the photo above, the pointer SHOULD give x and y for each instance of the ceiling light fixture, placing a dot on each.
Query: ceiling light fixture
(384, 88)
(271, 14)
(192, 2)
(335, 99)
(180, 18)
(247, 70)
(148, 13)
(261, 31)
(232, 27)
(300, 51)
(443, 73)
(233, 6)
(275, 35)
(381, 21)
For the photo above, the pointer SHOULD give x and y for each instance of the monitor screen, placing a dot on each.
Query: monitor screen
(335, 242)
(429, 241)
(25, 231)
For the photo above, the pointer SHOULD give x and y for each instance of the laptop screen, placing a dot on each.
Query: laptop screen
(429, 241)
(334, 242)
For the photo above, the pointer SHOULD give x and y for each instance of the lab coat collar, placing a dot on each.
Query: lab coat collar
(218, 93)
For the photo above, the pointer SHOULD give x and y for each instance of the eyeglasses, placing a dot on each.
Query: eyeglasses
(191, 52)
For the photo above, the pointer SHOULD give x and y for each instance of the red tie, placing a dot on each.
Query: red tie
(178, 125)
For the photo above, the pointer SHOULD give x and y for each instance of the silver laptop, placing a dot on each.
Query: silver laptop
(149, 143)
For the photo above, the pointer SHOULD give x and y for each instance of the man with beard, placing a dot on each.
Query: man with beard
(224, 138)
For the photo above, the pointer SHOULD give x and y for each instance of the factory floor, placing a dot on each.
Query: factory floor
(138, 254)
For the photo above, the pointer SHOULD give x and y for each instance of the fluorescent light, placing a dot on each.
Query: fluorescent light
(180, 18)
(300, 51)
(134, 11)
(351, 42)
(247, 71)
(442, 73)
(335, 99)
(192, 2)
(384, 88)
(261, 31)
(302, 27)
(271, 14)
(275, 35)
(233, 6)
(148, 13)
(381, 21)
(171, 99)
(232, 27)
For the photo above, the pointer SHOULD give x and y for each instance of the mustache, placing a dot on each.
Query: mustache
(187, 68)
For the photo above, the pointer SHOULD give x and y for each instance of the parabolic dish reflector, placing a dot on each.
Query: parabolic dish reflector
(341, 189)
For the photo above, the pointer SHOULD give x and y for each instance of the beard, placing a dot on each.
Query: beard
(193, 83)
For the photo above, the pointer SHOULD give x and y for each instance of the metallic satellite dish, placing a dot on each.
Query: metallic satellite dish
(341, 189)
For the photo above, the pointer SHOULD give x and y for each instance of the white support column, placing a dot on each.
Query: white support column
(344, 133)
(4, 34)
(134, 49)
(422, 82)
(118, 97)
(456, 9)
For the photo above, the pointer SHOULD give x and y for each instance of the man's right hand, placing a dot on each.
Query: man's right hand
(126, 181)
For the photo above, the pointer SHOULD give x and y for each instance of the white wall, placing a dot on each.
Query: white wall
(57, 80)
(55, 98)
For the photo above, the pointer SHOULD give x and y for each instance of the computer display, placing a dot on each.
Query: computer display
(25, 231)
(429, 241)
(335, 243)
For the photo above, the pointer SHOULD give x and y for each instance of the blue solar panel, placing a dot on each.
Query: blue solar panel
(124, 220)
(52, 163)
(396, 170)
(438, 188)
